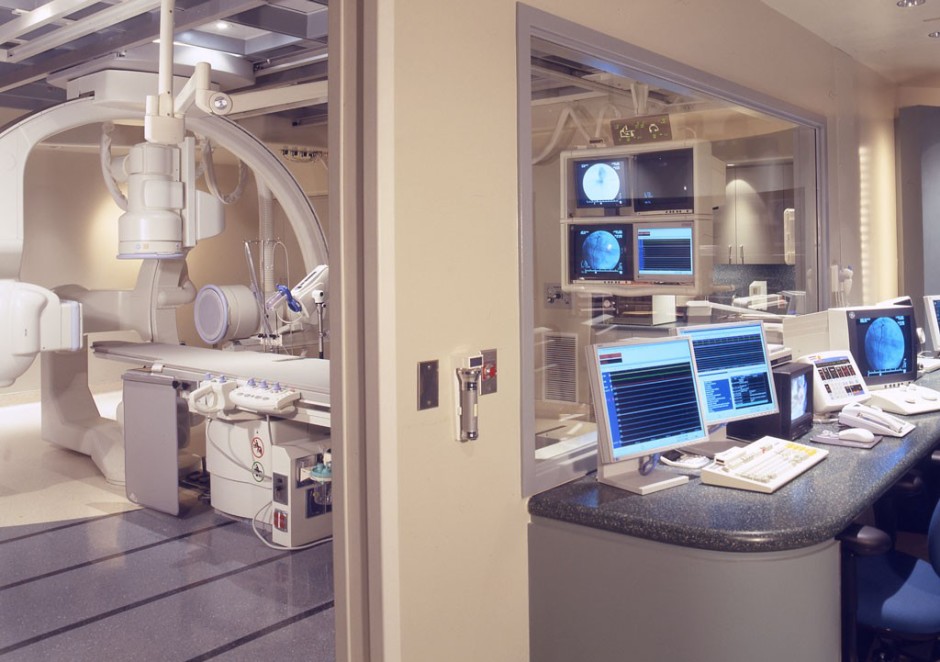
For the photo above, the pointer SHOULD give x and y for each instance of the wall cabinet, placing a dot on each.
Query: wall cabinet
(750, 226)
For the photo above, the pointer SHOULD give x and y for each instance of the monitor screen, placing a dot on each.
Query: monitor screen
(932, 315)
(600, 252)
(799, 402)
(645, 397)
(734, 371)
(882, 341)
(664, 182)
(602, 182)
(794, 390)
(664, 252)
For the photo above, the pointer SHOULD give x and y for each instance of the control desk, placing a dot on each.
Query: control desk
(703, 572)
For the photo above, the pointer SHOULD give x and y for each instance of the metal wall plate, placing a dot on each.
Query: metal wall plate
(428, 384)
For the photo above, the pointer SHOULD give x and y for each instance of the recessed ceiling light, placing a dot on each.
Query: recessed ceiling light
(910, 3)
(222, 25)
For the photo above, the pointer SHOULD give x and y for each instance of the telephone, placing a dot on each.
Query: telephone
(857, 415)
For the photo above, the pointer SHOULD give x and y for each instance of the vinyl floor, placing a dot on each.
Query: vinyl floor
(86, 575)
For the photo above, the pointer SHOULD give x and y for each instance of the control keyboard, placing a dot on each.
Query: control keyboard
(765, 465)
(264, 398)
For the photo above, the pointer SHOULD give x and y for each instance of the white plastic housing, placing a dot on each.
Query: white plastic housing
(224, 312)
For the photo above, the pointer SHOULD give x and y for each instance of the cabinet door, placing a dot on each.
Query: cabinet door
(726, 237)
(759, 194)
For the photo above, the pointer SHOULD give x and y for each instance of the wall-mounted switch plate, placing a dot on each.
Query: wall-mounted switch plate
(556, 297)
(488, 377)
(428, 384)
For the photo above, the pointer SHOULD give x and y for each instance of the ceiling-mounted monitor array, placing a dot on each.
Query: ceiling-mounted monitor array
(635, 258)
(636, 220)
(680, 177)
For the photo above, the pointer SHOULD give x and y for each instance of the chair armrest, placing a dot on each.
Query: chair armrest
(864, 540)
(910, 484)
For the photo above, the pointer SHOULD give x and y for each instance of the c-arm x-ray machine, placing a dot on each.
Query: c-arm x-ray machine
(269, 414)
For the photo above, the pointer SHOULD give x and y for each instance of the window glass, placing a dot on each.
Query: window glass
(647, 197)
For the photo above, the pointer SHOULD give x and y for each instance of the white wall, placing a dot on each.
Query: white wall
(451, 237)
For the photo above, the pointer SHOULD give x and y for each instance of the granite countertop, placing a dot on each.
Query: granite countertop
(811, 509)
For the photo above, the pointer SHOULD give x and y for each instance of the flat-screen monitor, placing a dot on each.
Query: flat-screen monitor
(664, 182)
(664, 252)
(883, 342)
(599, 253)
(932, 315)
(646, 401)
(734, 373)
(794, 388)
(602, 183)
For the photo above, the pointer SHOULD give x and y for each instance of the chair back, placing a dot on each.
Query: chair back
(933, 539)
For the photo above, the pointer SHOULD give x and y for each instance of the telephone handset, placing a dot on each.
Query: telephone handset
(857, 415)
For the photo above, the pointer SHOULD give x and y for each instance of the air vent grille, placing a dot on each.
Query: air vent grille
(560, 366)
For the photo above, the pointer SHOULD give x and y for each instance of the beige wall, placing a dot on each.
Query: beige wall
(452, 238)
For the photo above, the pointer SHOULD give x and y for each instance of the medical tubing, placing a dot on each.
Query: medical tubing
(107, 174)
(259, 299)
(599, 125)
(211, 182)
(566, 113)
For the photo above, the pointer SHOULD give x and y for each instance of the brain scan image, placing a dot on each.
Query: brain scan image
(601, 182)
(884, 344)
(601, 251)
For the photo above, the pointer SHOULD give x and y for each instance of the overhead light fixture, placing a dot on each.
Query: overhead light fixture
(910, 3)
(222, 25)
(934, 35)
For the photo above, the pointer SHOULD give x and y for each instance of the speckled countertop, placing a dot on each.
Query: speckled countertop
(811, 509)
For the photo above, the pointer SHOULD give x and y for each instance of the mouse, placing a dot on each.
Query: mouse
(856, 434)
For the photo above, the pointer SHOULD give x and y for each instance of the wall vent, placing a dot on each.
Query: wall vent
(560, 366)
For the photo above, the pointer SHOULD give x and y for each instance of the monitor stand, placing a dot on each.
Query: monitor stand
(626, 475)
(718, 442)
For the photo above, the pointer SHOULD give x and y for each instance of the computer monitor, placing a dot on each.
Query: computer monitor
(596, 255)
(734, 372)
(646, 400)
(664, 252)
(883, 341)
(664, 182)
(932, 315)
(602, 183)
(794, 389)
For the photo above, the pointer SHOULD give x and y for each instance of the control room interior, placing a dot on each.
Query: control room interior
(626, 195)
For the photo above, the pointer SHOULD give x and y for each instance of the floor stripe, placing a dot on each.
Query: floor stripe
(134, 605)
(248, 638)
(109, 557)
(60, 527)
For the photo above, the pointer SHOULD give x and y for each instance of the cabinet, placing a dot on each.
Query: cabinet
(749, 227)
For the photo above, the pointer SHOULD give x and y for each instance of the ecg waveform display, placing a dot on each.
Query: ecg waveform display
(665, 255)
(734, 374)
(650, 403)
(726, 352)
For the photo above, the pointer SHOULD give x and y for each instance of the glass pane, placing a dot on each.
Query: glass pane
(648, 196)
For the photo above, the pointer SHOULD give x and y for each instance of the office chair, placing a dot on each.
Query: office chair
(892, 595)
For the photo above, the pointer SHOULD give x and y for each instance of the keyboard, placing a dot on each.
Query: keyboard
(765, 465)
